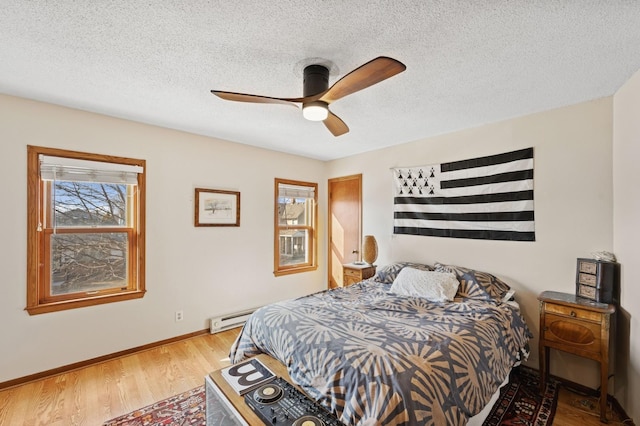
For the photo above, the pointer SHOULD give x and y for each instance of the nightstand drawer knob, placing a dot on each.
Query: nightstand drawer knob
(573, 313)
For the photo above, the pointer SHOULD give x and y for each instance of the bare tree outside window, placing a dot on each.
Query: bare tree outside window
(90, 204)
(88, 261)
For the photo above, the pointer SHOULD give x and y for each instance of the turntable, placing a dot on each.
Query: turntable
(279, 403)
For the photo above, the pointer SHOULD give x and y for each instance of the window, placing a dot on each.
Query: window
(85, 229)
(295, 226)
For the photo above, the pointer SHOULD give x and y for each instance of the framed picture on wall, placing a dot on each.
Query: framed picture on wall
(215, 207)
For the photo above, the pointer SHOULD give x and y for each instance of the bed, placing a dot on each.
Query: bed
(373, 354)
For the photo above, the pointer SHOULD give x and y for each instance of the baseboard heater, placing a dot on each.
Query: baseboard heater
(225, 322)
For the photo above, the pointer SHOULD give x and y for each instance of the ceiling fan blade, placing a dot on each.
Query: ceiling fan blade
(335, 124)
(242, 97)
(374, 71)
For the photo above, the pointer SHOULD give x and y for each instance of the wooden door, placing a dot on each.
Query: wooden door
(345, 225)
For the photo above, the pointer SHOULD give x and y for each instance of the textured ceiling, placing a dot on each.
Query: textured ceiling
(468, 63)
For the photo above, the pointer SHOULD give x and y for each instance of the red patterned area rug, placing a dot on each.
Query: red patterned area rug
(520, 402)
(185, 409)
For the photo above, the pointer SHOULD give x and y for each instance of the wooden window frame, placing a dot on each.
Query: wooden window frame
(39, 299)
(312, 228)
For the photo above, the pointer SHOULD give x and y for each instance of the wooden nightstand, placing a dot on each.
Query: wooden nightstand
(352, 273)
(579, 326)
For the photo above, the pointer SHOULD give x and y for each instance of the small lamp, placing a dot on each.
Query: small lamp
(369, 249)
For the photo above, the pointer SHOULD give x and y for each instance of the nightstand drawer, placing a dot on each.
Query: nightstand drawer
(581, 335)
(573, 312)
(352, 272)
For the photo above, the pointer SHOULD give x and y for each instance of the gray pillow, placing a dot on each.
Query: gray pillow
(476, 284)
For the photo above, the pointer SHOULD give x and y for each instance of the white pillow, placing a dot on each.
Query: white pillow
(434, 286)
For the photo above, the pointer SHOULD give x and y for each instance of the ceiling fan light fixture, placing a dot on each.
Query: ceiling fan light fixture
(315, 111)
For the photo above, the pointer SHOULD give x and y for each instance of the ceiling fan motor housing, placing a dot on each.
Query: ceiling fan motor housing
(316, 80)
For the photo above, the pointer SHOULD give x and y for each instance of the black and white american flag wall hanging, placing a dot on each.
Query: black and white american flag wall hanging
(487, 198)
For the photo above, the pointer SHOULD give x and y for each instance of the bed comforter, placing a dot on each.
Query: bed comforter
(373, 357)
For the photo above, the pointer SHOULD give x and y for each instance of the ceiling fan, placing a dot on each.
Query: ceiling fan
(317, 95)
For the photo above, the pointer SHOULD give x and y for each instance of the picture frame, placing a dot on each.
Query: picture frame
(216, 207)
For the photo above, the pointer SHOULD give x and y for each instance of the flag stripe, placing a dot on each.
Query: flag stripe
(485, 180)
(468, 217)
(443, 224)
(469, 199)
(509, 206)
(488, 170)
(490, 160)
(471, 234)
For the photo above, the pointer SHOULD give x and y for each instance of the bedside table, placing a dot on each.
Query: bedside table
(353, 273)
(579, 326)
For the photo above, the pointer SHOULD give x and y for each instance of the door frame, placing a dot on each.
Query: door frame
(358, 178)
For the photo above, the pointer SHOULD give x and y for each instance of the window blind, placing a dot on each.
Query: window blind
(70, 169)
(296, 191)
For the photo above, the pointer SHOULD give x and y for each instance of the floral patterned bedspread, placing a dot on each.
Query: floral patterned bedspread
(374, 357)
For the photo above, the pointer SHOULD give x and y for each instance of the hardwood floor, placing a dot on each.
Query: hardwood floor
(94, 394)
(577, 409)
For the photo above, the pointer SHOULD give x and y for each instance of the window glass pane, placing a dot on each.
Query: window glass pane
(293, 211)
(88, 262)
(294, 246)
(89, 204)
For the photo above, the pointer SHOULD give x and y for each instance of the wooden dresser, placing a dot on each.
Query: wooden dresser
(579, 326)
(353, 273)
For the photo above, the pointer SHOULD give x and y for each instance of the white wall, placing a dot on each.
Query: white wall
(202, 271)
(573, 206)
(626, 234)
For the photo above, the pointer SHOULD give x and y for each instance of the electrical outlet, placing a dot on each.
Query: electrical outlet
(179, 316)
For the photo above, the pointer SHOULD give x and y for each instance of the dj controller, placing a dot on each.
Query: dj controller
(278, 402)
